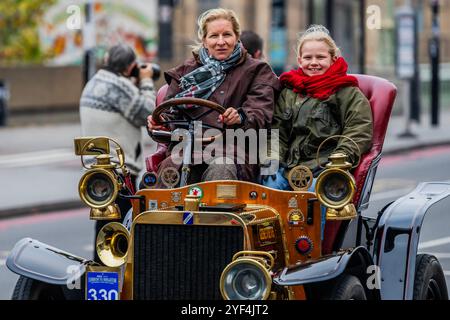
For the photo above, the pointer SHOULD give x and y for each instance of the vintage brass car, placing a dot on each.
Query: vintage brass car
(242, 241)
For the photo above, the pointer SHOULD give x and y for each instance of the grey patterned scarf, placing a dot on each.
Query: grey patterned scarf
(203, 81)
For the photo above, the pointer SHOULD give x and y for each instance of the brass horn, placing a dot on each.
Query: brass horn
(112, 244)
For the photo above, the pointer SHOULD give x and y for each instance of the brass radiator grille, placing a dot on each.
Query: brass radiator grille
(180, 262)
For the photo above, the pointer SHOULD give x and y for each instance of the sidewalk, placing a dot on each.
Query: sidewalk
(425, 134)
(40, 171)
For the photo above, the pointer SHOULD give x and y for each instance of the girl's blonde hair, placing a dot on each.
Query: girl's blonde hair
(211, 15)
(318, 33)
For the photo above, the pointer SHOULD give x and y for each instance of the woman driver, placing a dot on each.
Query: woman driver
(222, 71)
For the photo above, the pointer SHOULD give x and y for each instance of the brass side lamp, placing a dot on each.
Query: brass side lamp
(99, 186)
(336, 186)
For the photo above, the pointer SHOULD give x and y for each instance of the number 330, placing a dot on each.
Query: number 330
(103, 294)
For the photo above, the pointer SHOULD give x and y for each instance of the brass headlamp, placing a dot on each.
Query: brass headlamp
(336, 186)
(99, 186)
(247, 277)
(335, 189)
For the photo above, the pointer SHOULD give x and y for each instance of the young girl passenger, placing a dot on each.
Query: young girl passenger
(319, 100)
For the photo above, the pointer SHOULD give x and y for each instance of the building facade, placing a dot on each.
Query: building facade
(343, 17)
(365, 30)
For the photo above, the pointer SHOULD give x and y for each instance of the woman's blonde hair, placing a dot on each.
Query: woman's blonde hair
(211, 15)
(318, 33)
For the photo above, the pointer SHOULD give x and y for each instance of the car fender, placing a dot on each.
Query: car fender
(325, 268)
(40, 261)
(398, 233)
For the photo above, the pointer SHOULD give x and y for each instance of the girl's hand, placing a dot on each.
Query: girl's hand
(230, 117)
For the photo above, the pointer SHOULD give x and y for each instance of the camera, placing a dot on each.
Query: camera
(156, 71)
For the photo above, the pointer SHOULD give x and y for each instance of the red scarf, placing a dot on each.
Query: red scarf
(321, 86)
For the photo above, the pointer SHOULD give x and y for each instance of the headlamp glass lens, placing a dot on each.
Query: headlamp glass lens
(336, 188)
(247, 283)
(99, 187)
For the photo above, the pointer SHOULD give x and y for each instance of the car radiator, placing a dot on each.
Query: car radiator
(182, 262)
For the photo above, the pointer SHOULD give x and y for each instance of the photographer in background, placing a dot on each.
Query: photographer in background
(253, 43)
(116, 104)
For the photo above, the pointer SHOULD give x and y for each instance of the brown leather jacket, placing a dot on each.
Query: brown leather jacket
(251, 87)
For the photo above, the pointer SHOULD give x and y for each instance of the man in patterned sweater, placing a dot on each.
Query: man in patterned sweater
(112, 105)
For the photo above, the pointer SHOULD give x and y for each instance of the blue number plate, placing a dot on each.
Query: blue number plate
(102, 286)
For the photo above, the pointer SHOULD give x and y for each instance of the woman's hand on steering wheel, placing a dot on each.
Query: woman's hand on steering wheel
(152, 125)
(157, 124)
(230, 117)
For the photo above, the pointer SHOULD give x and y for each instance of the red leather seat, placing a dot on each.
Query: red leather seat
(381, 95)
(152, 162)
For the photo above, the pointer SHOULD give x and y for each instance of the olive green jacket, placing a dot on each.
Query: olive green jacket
(305, 122)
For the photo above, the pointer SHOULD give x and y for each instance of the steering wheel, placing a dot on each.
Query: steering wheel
(165, 136)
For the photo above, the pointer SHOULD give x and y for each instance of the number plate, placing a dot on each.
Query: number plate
(102, 286)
